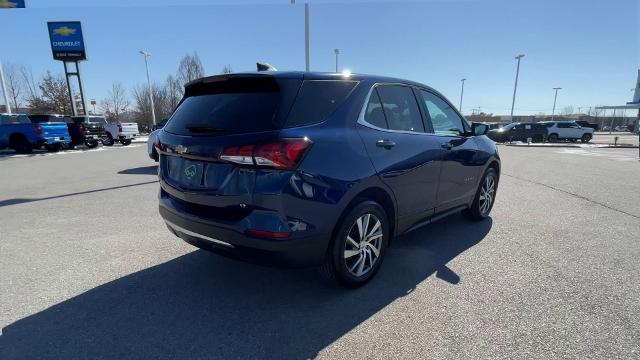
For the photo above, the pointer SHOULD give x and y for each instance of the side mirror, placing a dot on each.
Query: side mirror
(479, 129)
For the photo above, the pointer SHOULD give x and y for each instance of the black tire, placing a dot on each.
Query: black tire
(71, 146)
(336, 265)
(478, 211)
(553, 138)
(91, 144)
(20, 145)
(573, 140)
(53, 147)
(125, 142)
(537, 139)
(155, 155)
(586, 138)
(108, 141)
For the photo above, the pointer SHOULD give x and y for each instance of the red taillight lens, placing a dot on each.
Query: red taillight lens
(238, 154)
(81, 128)
(38, 129)
(160, 146)
(119, 128)
(267, 234)
(283, 154)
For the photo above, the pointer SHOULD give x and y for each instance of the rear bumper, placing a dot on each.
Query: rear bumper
(229, 239)
(47, 140)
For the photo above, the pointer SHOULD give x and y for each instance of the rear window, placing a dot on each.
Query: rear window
(317, 100)
(46, 118)
(233, 105)
(14, 119)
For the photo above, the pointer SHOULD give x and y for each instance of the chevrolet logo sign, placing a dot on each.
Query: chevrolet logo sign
(64, 31)
(181, 149)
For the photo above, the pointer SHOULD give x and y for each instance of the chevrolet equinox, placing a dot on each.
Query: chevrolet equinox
(318, 169)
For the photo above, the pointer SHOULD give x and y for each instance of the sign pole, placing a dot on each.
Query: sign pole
(84, 103)
(4, 90)
(74, 112)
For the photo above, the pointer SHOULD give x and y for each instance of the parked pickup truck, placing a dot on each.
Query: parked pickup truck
(88, 130)
(567, 130)
(52, 131)
(122, 132)
(18, 133)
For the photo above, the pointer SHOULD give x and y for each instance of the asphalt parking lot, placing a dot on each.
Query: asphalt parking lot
(88, 270)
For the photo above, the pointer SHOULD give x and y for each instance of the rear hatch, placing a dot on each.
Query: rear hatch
(226, 133)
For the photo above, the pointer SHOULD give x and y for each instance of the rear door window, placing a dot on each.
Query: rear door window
(374, 114)
(400, 108)
(317, 100)
(234, 105)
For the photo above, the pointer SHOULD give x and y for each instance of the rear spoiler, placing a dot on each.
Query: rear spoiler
(265, 67)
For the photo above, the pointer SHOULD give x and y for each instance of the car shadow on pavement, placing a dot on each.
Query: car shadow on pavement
(16, 201)
(142, 170)
(200, 305)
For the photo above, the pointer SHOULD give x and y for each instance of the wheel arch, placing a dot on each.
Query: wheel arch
(15, 136)
(380, 196)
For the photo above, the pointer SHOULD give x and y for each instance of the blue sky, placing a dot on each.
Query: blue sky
(589, 48)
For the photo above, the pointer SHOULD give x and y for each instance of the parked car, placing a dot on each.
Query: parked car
(52, 130)
(524, 132)
(87, 130)
(587, 124)
(567, 130)
(305, 169)
(153, 154)
(122, 132)
(18, 133)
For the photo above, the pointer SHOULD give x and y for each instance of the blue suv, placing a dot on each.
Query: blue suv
(301, 169)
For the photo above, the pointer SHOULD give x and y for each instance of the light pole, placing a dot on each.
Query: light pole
(306, 33)
(93, 102)
(146, 54)
(337, 52)
(461, 94)
(555, 97)
(515, 87)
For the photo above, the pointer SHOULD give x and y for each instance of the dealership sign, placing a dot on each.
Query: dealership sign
(67, 43)
(12, 4)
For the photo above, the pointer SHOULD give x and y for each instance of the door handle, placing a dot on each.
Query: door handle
(447, 146)
(387, 144)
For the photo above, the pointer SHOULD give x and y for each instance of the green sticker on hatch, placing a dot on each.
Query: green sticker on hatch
(190, 172)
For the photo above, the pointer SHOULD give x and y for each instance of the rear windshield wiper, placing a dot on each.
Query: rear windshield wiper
(203, 129)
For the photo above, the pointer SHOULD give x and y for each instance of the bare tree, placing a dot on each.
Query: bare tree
(227, 69)
(174, 92)
(190, 68)
(51, 96)
(14, 83)
(142, 107)
(116, 102)
(568, 110)
(29, 82)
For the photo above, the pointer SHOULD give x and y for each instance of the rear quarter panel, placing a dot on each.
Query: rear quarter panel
(7, 130)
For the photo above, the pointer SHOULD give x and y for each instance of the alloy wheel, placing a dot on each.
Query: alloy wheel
(363, 246)
(487, 193)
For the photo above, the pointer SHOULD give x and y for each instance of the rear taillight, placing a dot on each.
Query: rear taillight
(81, 128)
(282, 154)
(160, 146)
(119, 128)
(38, 129)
